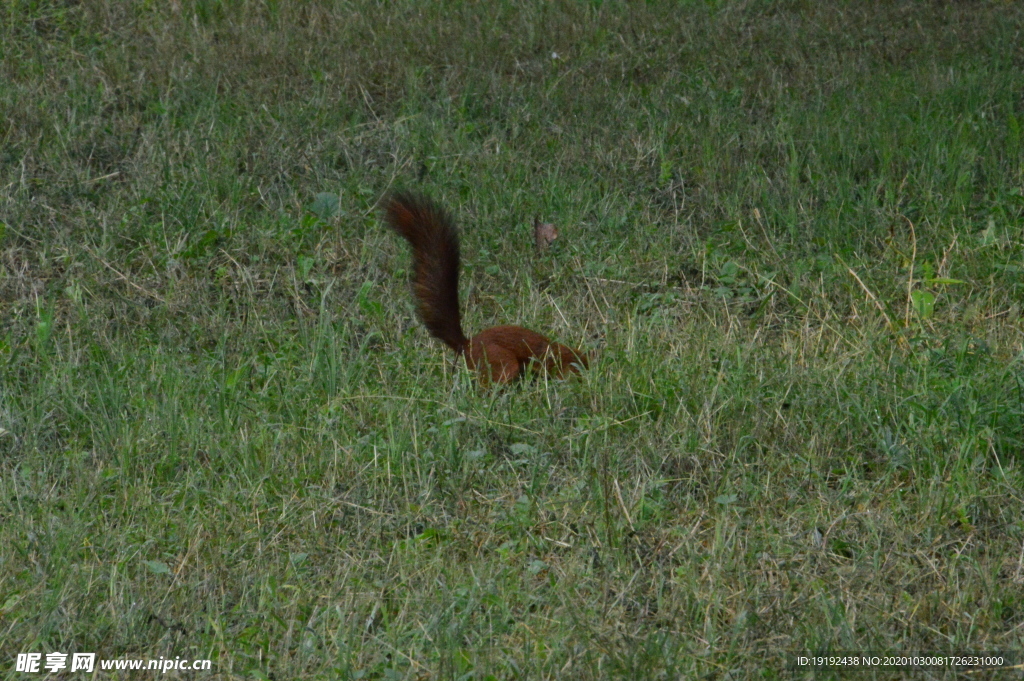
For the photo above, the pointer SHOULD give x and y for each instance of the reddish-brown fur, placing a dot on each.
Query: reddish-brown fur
(498, 354)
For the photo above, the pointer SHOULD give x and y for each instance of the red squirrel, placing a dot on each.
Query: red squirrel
(498, 354)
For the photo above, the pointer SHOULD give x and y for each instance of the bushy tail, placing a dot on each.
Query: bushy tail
(435, 264)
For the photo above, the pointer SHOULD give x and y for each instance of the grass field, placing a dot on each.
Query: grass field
(793, 232)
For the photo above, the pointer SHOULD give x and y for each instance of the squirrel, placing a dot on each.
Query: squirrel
(499, 354)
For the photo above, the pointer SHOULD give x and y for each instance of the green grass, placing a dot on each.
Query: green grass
(792, 232)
